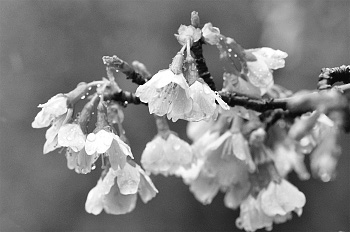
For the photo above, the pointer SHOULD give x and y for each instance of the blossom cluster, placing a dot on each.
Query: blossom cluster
(234, 150)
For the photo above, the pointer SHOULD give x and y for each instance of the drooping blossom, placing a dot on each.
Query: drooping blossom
(109, 196)
(167, 93)
(282, 198)
(274, 204)
(165, 156)
(260, 70)
(204, 99)
(57, 106)
(219, 171)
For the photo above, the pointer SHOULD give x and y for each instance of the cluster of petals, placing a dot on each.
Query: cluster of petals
(117, 192)
(188, 33)
(217, 170)
(272, 205)
(260, 69)
(166, 156)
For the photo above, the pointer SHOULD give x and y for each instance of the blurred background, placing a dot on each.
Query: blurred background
(48, 47)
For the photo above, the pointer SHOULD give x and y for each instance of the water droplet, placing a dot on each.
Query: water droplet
(177, 147)
(93, 167)
(90, 88)
(229, 50)
(235, 55)
(93, 113)
(82, 97)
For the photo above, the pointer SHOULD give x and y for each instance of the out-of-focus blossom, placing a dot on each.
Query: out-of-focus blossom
(211, 34)
(252, 217)
(324, 157)
(219, 171)
(236, 193)
(286, 159)
(260, 70)
(188, 33)
(282, 198)
(195, 130)
(165, 156)
(71, 135)
(108, 195)
(272, 205)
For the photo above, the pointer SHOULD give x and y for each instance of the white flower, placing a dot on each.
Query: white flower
(188, 32)
(165, 156)
(166, 93)
(116, 195)
(211, 34)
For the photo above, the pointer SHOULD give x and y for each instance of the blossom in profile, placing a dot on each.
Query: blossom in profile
(165, 156)
(188, 33)
(167, 93)
(109, 196)
(58, 105)
(53, 108)
(260, 69)
(211, 34)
